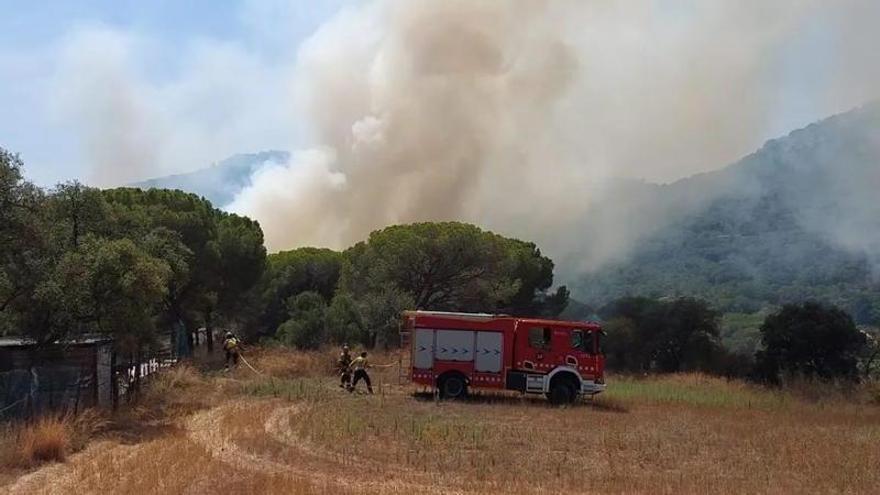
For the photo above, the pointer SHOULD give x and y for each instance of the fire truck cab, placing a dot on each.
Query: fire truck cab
(453, 352)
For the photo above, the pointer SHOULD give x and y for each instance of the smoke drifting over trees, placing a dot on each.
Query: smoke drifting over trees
(513, 115)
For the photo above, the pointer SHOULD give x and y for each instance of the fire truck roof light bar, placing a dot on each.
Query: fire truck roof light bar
(451, 313)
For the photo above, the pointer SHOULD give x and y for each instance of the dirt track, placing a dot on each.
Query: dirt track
(303, 459)
(291, 457)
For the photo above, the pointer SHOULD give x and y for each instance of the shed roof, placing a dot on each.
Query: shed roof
(11, 342)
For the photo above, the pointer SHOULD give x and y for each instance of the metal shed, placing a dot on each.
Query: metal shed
(65, 376)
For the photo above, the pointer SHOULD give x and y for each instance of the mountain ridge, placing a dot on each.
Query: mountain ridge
(222, 181)
(794, 220)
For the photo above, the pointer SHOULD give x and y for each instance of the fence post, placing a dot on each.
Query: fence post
(132, 379)
(95, 382)
(114, 380)
(32, 391)
(78, 394)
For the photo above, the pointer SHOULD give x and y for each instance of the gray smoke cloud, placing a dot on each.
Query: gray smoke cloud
(514, 115)
(98, 93)
(134, 122)
(842, 207)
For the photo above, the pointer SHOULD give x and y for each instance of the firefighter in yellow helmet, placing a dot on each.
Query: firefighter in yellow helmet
(231, 346)
(359, 366)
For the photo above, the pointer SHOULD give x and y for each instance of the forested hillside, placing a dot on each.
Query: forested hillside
(796, 220)
(220, 182)
(799, 219)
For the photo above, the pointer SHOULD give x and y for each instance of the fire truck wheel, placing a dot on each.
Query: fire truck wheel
(561, 393)
(453, 386)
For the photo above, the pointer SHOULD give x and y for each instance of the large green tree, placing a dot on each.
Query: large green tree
(63, 276)
(27, 252)
(112, 287)
(77, 210)
(239, 261)
(667, 336)
(380, 310)
(124, 262)
(534, 275)
(438, 266)
(289, 273)
(452, 266)
(345, 323)
(307, 327)
(811, 340)
(189, 226)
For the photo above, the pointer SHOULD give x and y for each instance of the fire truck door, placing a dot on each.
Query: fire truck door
(488, 352)
(454, 345)
(536, 352)
(423, 349)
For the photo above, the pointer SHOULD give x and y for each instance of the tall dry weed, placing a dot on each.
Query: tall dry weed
(178, 378)
(46, 440)
(172, 393)
(9, 445)
(283, 362)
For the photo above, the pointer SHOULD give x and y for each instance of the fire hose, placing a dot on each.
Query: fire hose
(243, 360)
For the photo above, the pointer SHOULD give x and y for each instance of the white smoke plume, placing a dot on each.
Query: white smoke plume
(512, 114)
(509, 114)
(222, 100)
(98, 91)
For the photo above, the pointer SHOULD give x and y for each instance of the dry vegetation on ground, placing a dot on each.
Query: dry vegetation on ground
(290, 429)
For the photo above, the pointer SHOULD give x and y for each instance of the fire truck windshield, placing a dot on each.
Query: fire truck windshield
(582, 341)
(540, 337)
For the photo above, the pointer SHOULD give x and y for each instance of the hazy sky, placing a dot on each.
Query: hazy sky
(185, 83)
(163, 38)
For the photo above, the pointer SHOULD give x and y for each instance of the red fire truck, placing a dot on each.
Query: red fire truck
(457, 351)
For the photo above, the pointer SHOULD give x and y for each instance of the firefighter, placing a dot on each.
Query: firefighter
(360, 366)
(231, 346)
(343, 366)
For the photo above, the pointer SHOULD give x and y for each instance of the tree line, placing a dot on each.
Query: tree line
(313, 296)
(126, 263)
(803, 340)
(135, 264)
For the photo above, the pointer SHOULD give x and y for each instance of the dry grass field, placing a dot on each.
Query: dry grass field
(292, 430)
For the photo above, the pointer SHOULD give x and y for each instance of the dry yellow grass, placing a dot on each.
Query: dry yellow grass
(9, 452)
(291, 430)
(48, 439)
(675, 442)
(175, 392)
(281, 363)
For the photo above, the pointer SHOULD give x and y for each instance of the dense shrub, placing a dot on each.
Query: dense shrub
(809, 340)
